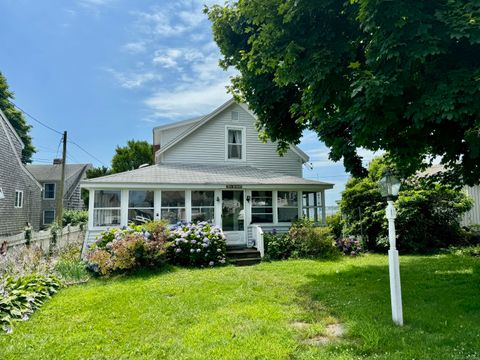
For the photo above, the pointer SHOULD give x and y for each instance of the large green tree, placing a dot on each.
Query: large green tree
(133, 155)
(403, 76)
(16, 118)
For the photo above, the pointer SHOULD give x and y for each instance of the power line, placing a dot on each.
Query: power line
(86, 152)
(58, 132)
(35, 119)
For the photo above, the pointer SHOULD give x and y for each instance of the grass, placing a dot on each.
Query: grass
(248, 313)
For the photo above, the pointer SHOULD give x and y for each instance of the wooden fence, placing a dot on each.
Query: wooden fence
(44, 239)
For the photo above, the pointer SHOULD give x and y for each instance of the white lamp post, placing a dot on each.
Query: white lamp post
(389, 188)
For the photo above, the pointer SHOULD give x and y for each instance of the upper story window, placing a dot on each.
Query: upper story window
(49, 191)
(18, 198)
(235, 143)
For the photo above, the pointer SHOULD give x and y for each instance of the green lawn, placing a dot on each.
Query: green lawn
(254, 313)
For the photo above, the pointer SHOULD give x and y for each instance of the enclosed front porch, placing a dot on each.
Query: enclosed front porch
(242, 212)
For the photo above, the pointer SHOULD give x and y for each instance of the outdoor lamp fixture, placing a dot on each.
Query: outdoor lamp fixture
(389, 188)
(218, 198)
(248, 198)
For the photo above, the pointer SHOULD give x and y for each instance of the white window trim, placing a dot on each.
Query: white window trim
(20, 193)
(54, 191)
(244, 142)
(43, 215)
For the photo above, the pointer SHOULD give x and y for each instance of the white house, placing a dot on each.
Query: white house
(211, 168)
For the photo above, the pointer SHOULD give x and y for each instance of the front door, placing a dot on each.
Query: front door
(233, 216)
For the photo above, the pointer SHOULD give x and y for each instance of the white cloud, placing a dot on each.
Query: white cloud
(186, 102)
(168, 58)
(135, 47)
(133, 80)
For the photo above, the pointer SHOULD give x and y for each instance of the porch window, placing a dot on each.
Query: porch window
(173, 206)
(312, 206)
(287, 203)
(106, 208)
(262, 209)
(140, 206)
(235, 143)
(203, 206)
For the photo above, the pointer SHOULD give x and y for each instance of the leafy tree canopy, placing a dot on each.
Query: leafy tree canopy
(133, 155)
(98, 171)
(17, 119)
(403, 76)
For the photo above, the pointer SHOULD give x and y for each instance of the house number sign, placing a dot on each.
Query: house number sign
(233, 186)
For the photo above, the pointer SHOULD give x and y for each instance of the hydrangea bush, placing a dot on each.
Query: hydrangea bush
(197, 244)
(118, 250)
(349, 245)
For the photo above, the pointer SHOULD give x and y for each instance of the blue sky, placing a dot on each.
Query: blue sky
(110, 70)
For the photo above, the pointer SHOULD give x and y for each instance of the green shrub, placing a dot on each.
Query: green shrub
(75, 217)
(310, 241)
(335, 223)
(119, 250)
(427, 214)
(277, 246)
(197, 244)
(22, 296)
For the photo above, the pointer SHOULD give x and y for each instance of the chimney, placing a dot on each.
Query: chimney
(57, 161)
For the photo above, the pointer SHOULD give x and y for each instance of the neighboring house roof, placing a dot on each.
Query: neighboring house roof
(202, 120)
(4, 122)
(54, 172)
(432, 170)
(196, 174)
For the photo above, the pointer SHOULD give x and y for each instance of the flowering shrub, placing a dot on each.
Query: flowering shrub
(119, 250)
(199, 244)
(349, 245)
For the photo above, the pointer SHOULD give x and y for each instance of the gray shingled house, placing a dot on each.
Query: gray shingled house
(20, 193)
(49, 177)
(212, 168)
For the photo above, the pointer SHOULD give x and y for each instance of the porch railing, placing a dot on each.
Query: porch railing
(257, 234)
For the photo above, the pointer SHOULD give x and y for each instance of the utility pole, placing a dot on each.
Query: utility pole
(62, 182)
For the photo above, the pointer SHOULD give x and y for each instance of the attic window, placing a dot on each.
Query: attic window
(234, 115)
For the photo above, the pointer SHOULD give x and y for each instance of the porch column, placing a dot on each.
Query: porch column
(157, 204)
(248, 208)
(218, 207)
(188, 205)
(300, 205)
(124, 208)
(91, 200)
(275, 206)
(324, 212)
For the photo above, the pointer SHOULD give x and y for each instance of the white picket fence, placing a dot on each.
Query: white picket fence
(43, 239)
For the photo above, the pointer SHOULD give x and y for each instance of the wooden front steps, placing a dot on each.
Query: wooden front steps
(243, 256)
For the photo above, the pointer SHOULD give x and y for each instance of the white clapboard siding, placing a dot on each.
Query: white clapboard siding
(207, 145)
(473, 216)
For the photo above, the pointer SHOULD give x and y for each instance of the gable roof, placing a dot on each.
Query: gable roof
(200, 121)
(54, 172)
(4, 123)
(201, 174)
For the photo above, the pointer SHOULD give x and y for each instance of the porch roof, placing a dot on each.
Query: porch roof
(184, 175)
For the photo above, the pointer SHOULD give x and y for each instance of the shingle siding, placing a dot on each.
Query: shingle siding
(14, 177)
(206, 145)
